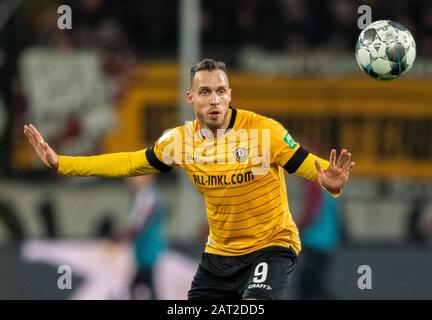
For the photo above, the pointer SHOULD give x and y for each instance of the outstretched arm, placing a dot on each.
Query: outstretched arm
(106, 165)
(331, 175)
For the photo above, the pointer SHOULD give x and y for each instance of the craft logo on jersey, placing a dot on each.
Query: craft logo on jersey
(260, 286)
(241, 154)
(289, 141)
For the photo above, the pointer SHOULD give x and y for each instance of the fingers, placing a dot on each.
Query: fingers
(26, 132)
(332, 157)
(346, 162)
(29, 134)
(36, 133)
(318, 166)
(351, 166)
(34, 136)
(341, 159)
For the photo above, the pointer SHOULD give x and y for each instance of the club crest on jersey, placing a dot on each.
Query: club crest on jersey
(241, 154)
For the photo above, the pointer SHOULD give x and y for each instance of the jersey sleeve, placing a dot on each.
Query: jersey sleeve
(160, 157)
(122, 164)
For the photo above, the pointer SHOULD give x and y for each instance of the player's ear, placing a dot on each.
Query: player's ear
(189, 96)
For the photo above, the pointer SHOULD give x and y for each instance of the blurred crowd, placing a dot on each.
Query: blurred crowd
(150, 28)
(297, 26)
(123, 34)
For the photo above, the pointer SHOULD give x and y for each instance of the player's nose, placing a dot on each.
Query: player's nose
(214, 99)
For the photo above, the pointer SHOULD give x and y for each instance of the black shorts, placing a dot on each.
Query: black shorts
(262, 274)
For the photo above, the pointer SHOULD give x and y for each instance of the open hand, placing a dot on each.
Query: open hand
(43, 150)
(336, 175)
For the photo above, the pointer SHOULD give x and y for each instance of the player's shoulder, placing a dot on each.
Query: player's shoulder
(256, 120)
(170, 133)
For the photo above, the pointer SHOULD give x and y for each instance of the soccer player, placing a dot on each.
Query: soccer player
(235, 158)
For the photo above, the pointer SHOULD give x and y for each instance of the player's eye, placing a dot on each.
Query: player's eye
(204, 91)
(221, 91)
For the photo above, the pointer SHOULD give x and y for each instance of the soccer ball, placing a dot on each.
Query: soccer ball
(385, 50)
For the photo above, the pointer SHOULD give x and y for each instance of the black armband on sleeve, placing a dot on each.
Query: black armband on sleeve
(296, 160)
(155, 162)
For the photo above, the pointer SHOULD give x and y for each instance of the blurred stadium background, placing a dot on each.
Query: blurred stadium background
(116, 81)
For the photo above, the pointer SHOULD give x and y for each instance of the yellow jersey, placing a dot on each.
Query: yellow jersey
(240, 174)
